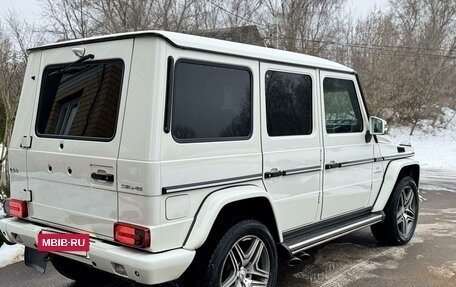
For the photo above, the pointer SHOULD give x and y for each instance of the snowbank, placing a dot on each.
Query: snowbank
(435, 147)
(10, 254)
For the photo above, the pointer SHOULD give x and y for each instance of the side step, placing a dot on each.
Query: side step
(312, 236)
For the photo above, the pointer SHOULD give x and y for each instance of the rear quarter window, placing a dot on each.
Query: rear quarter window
(80, 102)
(211, 102)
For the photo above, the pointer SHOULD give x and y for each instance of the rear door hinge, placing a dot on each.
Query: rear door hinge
(26, 142)
(26, 195)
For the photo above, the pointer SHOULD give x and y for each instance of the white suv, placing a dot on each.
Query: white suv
(177, 153)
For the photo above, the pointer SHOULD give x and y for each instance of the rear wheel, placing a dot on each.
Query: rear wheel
(245, 256)
(401, 214)
(78, 271)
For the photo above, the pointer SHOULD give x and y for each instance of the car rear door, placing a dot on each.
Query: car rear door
(76, 131)
(291, 142)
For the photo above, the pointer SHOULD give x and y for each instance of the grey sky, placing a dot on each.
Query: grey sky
(30, 9)
(361, 8)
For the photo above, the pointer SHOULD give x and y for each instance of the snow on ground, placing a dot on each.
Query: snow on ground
(435, 147)
(10, 254)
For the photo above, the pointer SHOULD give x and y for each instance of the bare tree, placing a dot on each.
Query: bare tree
(115, 16)
(306, 26)
(426, 27)
(12, 69)
(68, 19)
(22, 34)
(406, 59)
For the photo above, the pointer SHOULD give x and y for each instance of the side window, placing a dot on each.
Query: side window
(288, 104)
(342, 111)
(211, 103)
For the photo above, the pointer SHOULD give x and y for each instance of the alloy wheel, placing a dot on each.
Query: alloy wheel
(406, 211)
(247, 264)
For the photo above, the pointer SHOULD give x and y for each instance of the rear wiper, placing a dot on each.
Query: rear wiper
(83, 59)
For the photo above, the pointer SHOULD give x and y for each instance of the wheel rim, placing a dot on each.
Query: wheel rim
(247, 264)
(406, 212)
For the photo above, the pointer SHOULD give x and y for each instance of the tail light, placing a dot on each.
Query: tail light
(133, 235)
(16, 208)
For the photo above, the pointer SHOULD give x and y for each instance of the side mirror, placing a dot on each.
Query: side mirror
(377, 126)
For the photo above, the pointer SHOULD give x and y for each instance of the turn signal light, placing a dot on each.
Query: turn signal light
(16, 208)
(133, 235)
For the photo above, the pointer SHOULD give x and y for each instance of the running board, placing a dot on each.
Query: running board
(313, 237)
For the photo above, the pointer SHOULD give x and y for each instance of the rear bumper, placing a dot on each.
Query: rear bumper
(142, 267)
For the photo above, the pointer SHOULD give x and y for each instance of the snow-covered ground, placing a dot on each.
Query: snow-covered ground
(435, 147)
(10, 254)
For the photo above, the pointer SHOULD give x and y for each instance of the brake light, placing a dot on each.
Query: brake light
(16, 208)
(133, 235)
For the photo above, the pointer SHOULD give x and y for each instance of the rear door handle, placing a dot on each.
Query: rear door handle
(102, 177)
(332, 164)
(274, 173)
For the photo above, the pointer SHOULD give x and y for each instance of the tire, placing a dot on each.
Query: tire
(401, 214)
(78, 271)
(245, 252)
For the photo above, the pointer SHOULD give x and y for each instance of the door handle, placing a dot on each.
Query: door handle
(332, 164)
(102, 177)
(274, 173)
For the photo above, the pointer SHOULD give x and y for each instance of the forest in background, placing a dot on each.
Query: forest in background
(405, 56)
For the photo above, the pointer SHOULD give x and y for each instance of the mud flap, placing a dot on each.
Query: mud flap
(35, 259)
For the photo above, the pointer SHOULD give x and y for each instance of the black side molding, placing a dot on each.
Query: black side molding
(169, 95)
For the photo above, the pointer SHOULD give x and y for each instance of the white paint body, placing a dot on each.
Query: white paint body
(142, 155)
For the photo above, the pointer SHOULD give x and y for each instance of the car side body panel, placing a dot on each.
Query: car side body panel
(212, 206)
(390, 178)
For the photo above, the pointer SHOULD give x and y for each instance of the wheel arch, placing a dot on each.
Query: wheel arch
(395, 171)
(228, 206)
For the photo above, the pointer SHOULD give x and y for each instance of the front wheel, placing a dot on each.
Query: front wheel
(401, 214)
(245, 256)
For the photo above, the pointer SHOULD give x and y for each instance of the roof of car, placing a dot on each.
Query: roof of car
(187, 41)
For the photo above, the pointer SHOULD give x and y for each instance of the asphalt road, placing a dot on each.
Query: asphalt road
(353, 260)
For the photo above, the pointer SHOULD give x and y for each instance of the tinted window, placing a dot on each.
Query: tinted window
(342, 111)
(81, 101)
(211, 102)
(288, 104)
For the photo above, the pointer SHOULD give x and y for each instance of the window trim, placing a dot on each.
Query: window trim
(361, 107)
(80, 138)
(312, 103)
(211, 64)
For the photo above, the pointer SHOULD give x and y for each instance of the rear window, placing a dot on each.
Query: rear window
(81, 101)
